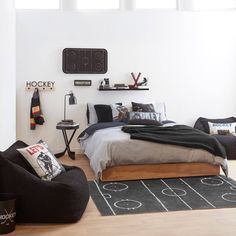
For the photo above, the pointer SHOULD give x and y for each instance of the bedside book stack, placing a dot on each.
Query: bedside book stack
(66, 124)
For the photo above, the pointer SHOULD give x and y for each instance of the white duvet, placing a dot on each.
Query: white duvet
(111, 146)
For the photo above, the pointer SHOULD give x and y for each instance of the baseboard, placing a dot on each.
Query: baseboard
(78, 151)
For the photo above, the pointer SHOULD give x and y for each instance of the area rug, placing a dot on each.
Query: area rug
(161, 195)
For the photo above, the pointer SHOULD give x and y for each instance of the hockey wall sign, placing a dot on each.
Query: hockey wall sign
(41, 85)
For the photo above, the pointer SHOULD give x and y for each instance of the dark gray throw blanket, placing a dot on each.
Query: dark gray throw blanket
(177, 135)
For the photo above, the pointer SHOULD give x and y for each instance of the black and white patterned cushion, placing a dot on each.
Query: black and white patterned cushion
(119, 112)
(222, 128)
(42, 160)
(144, 118)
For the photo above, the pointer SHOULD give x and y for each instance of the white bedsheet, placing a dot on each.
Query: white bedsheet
(111, 146)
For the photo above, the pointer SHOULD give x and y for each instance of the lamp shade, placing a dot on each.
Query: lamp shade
(72, 99)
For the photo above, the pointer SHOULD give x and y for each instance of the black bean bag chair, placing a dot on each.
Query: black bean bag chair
(228, 141)
(61, 200)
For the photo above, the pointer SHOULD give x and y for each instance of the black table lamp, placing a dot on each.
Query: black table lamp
(72, 101)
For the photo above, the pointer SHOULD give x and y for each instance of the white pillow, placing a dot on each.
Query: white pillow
(92, 115)
(160, 107)
(222, 128)
(42, 160)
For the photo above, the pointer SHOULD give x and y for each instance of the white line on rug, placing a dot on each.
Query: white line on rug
(104, 198)
(154, 195)
(226, 181)
(198, 193)
(176, 194)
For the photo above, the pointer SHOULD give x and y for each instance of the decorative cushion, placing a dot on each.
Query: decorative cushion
(144, 118)
(123, 115)
(119, 112)
(158, 107)
(92, 115)
(202, 123)
(115, 112)
(42, 160)
(222, 128)
(141, 107)
(104, 113)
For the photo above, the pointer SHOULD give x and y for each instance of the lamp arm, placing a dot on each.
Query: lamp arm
(65, 106)
(68, 94)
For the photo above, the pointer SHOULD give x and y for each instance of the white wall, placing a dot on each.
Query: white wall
(188, 57)
(7, 74)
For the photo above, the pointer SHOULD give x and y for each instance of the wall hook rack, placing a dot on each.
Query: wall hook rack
(40, 85)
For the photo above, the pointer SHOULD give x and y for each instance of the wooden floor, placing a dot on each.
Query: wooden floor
(182, 223)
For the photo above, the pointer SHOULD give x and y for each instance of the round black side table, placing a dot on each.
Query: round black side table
(63, 126)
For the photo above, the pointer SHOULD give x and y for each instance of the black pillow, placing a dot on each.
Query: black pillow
(104, 113)
(142, 107)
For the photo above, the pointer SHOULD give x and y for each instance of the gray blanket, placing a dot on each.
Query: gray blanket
(177, 135)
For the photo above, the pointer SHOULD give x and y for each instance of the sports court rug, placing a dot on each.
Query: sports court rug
(161, 195)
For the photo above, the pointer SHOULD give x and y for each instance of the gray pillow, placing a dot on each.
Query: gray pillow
(141, 107)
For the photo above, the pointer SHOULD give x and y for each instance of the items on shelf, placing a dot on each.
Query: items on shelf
(105, 84)
(135, 79)
(120, 86)
(136, 84)
(143, 83)
(124, 89)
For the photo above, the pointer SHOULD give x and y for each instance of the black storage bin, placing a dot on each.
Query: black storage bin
(7, 213)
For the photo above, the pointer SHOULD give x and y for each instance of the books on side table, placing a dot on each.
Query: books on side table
(67, 124)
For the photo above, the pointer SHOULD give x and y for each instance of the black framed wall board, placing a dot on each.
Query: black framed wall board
(84, 60)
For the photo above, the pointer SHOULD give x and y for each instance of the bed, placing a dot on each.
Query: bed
(115, 156)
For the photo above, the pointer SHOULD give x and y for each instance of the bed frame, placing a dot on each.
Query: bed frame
(155, 171)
